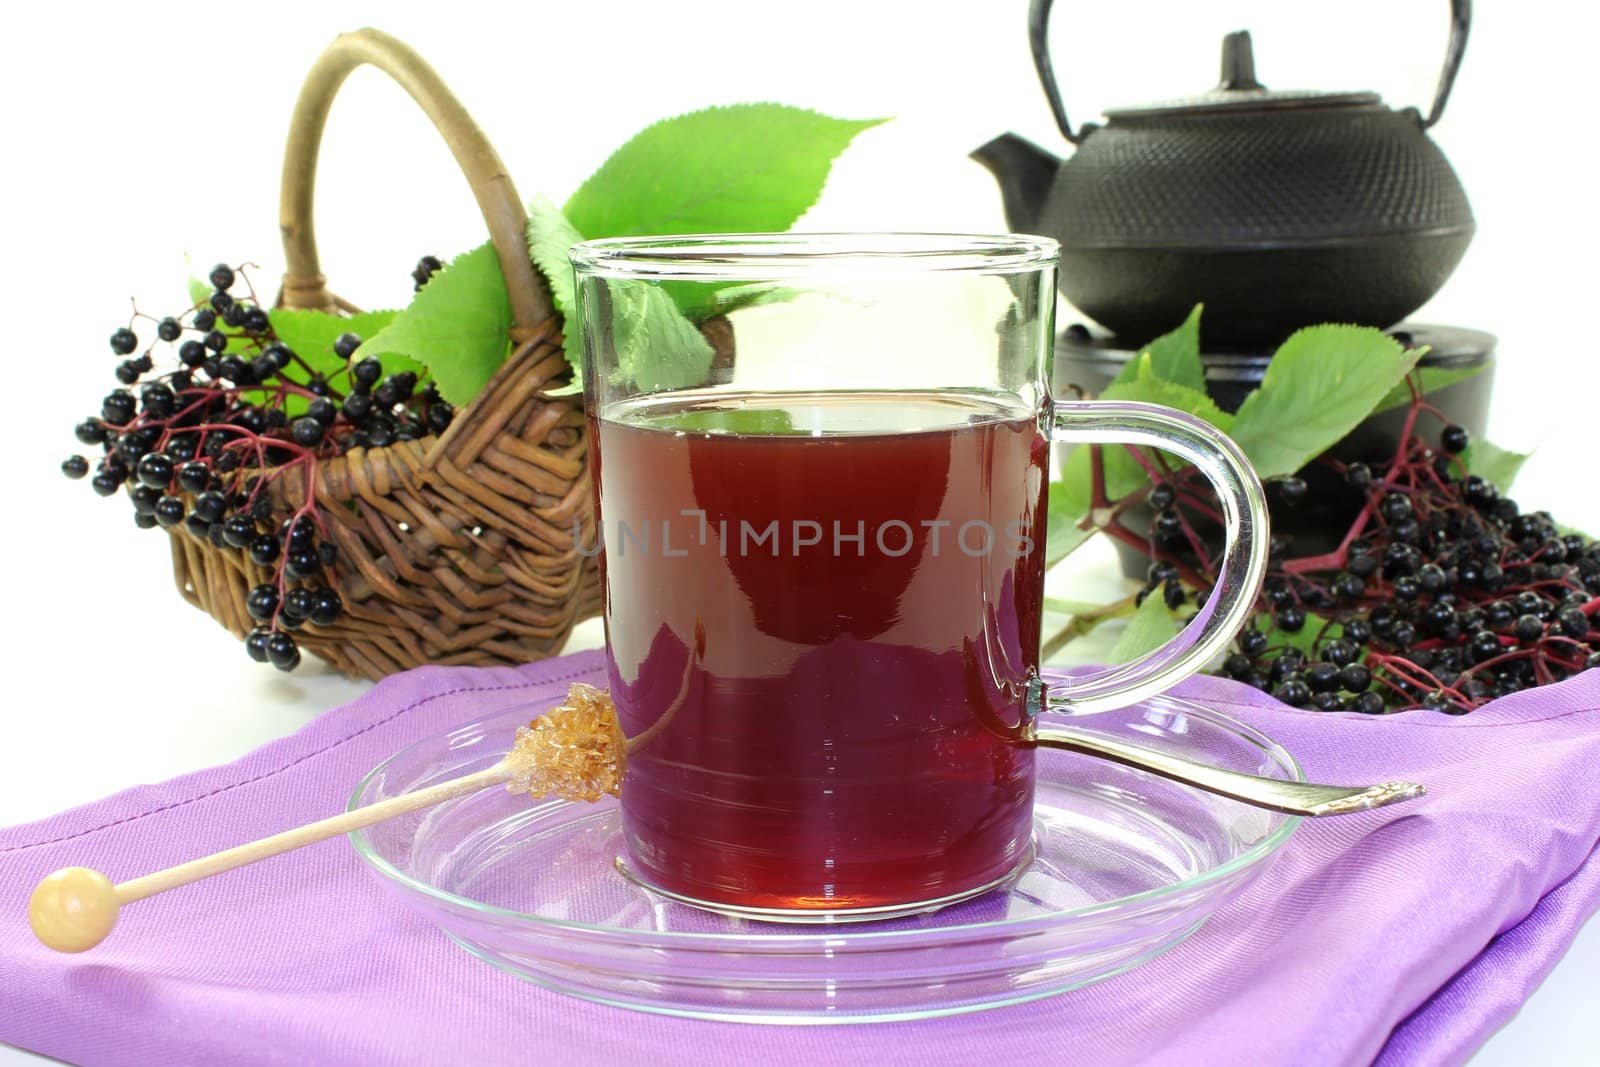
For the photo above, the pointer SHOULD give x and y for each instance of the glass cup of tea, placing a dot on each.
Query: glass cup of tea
(820, 471)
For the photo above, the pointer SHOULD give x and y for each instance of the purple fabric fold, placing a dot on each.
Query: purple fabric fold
(1400, 936)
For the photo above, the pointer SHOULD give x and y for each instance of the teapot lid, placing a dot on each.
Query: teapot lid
(1239, 91)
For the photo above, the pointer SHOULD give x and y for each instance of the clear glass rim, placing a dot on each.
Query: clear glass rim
(1135, 902)
(764, 256)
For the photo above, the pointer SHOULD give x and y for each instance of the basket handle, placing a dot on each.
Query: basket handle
(303, 283)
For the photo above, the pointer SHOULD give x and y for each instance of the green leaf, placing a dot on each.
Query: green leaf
(199, 291)
(1173, 356)
(1319, 386)
(1123, 474)
(742, 168)
(1305, 637)
(310, 335)
(550, 235)
(728, 299)
(1496, 465)
(766, 422)
(1563, 529)
(1152, 626)
(1150, 387)
(456, 326)
(1063, 606)
(1068, 504)
(1427, 380)
(656, 347)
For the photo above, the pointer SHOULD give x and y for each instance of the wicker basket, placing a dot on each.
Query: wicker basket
(451, 549)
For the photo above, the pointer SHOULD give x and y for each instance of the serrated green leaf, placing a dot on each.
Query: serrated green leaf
(1427, 380)
(1319, 386)
(656, 347)
(1152, 626)
(749, 168)
(1495, 465)
(456, 326)
(550, 235)
(1149, 386)
(199, 291)
(1173, 356)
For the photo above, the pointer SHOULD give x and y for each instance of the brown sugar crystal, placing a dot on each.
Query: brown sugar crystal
(574, 751)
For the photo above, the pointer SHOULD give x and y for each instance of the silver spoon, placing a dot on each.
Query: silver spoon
(1291, 798)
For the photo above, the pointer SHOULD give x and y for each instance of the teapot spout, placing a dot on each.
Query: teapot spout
(1025, 173)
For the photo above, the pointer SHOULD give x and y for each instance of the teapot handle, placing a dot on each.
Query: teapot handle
(1039, 21)
(1460, 24)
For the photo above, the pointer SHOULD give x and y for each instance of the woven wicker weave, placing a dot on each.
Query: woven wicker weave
(451, 549)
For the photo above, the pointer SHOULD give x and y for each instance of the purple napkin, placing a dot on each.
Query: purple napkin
(1404, 936)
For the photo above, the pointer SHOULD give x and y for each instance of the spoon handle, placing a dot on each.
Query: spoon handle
(1291, 798)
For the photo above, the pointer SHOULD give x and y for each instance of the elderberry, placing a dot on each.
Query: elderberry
(302, 563)
(346, 344)
(1395, 507)
(262, 603)
(1354, 678)
(155, 470)
(1573, 622)
(307, 431)
(1293, 692)
(425, 269)
(1292, 490)
(239, 530)
(1368, 703)
(169, 511)
(367, 371)
(263, 550)
(440, 415)
(282, 652)
(1322, 677)
(209, 506)
(326, 607)
(299, 603)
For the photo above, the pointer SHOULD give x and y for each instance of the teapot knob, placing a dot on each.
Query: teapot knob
(1239, 63)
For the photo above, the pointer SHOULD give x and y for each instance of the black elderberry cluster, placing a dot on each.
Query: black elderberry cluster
(1443, 594)
(223, 408)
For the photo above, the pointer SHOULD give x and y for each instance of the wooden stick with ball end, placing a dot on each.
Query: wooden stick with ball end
(575, 751)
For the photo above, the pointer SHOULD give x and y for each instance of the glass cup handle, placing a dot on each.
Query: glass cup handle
(1244, 560)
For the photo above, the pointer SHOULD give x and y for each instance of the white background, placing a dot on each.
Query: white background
(140, 133)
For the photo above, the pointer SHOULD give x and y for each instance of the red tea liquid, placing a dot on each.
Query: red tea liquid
(823, 612)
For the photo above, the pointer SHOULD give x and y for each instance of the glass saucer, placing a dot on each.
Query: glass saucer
(1126, 865)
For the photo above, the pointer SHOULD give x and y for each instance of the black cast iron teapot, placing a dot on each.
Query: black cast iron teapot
(1276, 209)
